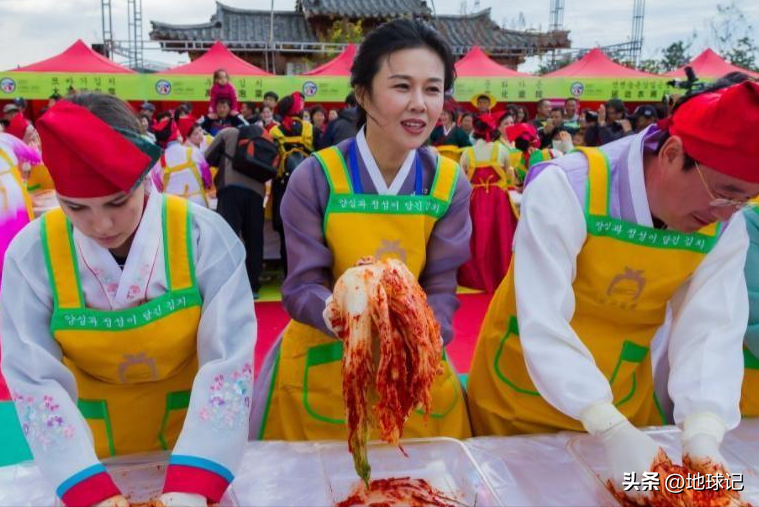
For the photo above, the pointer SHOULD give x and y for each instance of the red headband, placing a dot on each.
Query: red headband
(86, 157)
(185, 125)
(713, 127)
(166, 131)
(18, 126)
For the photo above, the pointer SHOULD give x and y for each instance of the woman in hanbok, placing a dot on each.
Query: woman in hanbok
(381, 194)
(494, 217)
(526, 142)
(126, 317)
(181, 170)
(15, 203)
(448, 138)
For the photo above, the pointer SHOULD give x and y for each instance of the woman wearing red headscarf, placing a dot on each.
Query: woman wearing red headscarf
(129, 323)
(181, 170)
(296, 143)
(494, 217)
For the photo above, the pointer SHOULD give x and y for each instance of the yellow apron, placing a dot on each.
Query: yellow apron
(750, 395)
(505, 179)
(39, 179)
(626, 274)
(449, 151)
(16, 175)
(288, 144)
(517, 163)
(187, 165)
(305, 401)
(134, 367)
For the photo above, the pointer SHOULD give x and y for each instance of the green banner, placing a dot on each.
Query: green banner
(530, 89)
(156, 87)
(41, 85)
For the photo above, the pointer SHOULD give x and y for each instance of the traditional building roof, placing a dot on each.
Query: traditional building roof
(242, 29)
(364, 8)
(233, 26)
(478, 29)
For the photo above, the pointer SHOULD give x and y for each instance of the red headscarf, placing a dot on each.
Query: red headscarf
(166, 131)
(87, 157)
(713, 128)
(185, 126)
(295, 108)
(523, 130)
(18, 126)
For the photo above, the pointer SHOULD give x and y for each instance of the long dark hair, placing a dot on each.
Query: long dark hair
(395, 36)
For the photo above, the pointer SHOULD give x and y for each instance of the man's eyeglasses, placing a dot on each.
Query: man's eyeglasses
(720, 202)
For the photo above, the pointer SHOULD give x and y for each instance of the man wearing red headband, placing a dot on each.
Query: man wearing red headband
(127, 319)
(610, 242)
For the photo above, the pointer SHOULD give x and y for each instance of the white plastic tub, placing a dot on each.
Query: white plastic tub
(526, 471)
(589, 452)
(445, 463)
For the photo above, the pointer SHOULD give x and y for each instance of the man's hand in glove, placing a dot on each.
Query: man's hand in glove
(702, 436)
(628, 450)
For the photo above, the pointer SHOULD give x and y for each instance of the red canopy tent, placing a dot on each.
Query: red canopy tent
(79, 57)
(596, 64)
(338, 66)
(218, 57)
(477, 64)
(709, 65)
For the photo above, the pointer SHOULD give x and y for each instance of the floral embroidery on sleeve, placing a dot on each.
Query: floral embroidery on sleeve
(228, 404)
(42, 423)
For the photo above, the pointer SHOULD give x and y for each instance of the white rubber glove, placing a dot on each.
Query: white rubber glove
(702, 436)
(627, 448)
(328, 314)
(114, 501)
(352, 292)
(183, 500)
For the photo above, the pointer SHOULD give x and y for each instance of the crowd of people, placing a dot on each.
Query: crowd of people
(612, 243)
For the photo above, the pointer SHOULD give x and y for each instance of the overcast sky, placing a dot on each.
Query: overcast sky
(31, 30)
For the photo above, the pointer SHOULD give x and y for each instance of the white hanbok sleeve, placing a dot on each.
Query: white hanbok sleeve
(43, 389)
(547, 243)
(212, 441)
(710, 314)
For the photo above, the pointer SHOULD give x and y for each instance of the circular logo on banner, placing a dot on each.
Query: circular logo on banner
(576, 89)
(8, 85)
(163, 87)
(310, 88)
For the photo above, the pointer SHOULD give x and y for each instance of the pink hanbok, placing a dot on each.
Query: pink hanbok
(15, 204)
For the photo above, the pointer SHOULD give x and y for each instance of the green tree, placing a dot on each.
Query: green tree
(675, 55)
(345, 31)
(651, 65)
(743, 54)
(728, 27)
(551, 63)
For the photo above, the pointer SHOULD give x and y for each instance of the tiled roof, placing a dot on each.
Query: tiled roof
(230, 24)
(246, 28)
(364, 8)
(463, 32)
